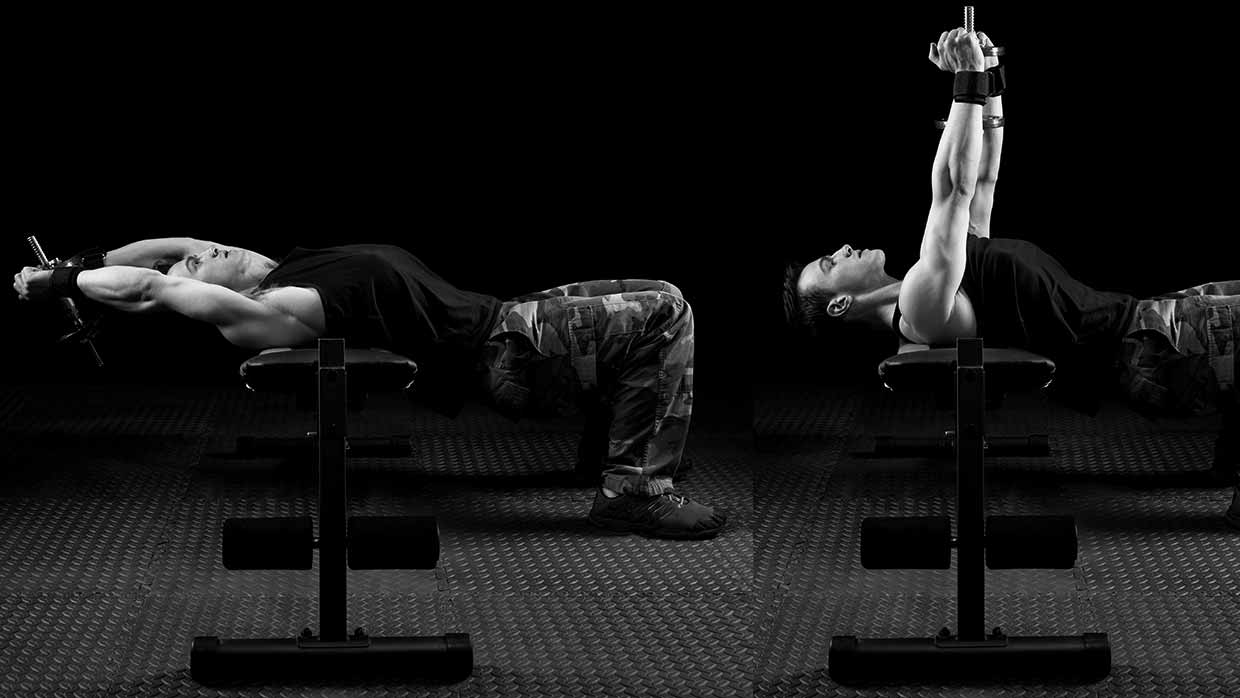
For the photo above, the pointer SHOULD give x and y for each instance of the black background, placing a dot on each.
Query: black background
(517, 152)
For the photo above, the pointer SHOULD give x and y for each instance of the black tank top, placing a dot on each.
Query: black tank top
(383, 296)
(1024, 298)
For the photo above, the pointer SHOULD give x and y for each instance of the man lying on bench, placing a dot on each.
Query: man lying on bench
(1174, 353)
(627, 345)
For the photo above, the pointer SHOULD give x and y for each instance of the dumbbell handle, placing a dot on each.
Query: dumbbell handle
(993, 51)
(38, 251)
(79, 326)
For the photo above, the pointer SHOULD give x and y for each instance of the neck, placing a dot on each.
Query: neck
(876, 308)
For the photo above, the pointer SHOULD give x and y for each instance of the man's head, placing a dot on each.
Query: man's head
(828, 288)
(231, 267)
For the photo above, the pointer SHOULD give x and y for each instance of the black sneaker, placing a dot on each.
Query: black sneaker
(667, 515)
(1233, 511)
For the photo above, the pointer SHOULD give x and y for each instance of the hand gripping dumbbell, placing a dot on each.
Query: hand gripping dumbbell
(988, 122)
(85, 329)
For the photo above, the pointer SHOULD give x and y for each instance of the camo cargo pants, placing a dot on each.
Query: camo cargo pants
(627, 344)
(1179, 354)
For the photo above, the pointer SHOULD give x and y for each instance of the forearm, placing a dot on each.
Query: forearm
(956, 163)
(988, 172)
(146, 253)
(992, 143)
(124, 288)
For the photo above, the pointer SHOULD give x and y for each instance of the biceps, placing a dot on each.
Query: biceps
(206, 302)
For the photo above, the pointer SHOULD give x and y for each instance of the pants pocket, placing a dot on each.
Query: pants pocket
(1224, 337)
(508, 374)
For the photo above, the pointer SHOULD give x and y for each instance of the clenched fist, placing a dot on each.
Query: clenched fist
(32, 283)
(959, 51)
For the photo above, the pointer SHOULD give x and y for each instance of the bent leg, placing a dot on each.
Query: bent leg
(594, 289)
(1214, 288)
(647, 341)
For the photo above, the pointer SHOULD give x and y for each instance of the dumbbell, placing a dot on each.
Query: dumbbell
(992, 51)
(84, 329)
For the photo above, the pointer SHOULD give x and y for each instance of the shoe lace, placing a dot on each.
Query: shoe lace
(677, 499)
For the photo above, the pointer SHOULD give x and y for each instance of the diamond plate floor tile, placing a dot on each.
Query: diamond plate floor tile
(624, 645)
(516, 545)
(61, 644)
(1171, 644)
(157, 663)
(79, 544)
(1154, 543)
(803, 412)
(794, 662)
(788, 486)
(115, 409)
(90, 467)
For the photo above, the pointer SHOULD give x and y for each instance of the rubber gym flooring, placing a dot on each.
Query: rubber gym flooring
(112, 497)
(1157, 569)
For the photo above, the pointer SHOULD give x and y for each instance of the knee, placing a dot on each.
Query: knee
(671, 288)
(680, 320)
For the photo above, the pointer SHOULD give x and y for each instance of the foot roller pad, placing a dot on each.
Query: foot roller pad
(444, 657)
(269, 544)
(1079, 658)
(393, 542)
(906, 543)
(1030, 542)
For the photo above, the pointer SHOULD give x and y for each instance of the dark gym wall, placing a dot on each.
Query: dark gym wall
(518, 153)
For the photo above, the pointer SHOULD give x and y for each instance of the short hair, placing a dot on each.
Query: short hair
(163, 265)
(804, 311)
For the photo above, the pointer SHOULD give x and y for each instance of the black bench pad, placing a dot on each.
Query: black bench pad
(934, 369)
(295, 370)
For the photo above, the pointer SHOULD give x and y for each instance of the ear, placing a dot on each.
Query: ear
(839, 305)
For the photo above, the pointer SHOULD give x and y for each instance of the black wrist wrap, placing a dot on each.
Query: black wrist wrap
(998, 80)
(972, 87)
(64, 283)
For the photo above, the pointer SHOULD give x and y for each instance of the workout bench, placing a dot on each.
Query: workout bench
(339, 378)
(980, 377)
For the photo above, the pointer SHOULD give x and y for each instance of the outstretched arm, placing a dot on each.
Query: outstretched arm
(149, 253)
(242, 320)
(992, 149)
(928, 294)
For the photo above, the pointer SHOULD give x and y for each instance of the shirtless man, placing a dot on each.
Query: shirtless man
(1171, 353)
(626, 345)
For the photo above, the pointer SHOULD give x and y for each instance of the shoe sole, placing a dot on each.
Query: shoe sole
(626, 527)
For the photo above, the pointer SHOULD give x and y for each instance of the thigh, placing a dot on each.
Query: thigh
(593, 289)
(1214, 288)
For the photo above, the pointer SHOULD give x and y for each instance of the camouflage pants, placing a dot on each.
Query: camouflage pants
(1179, 354)
(626, 345)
